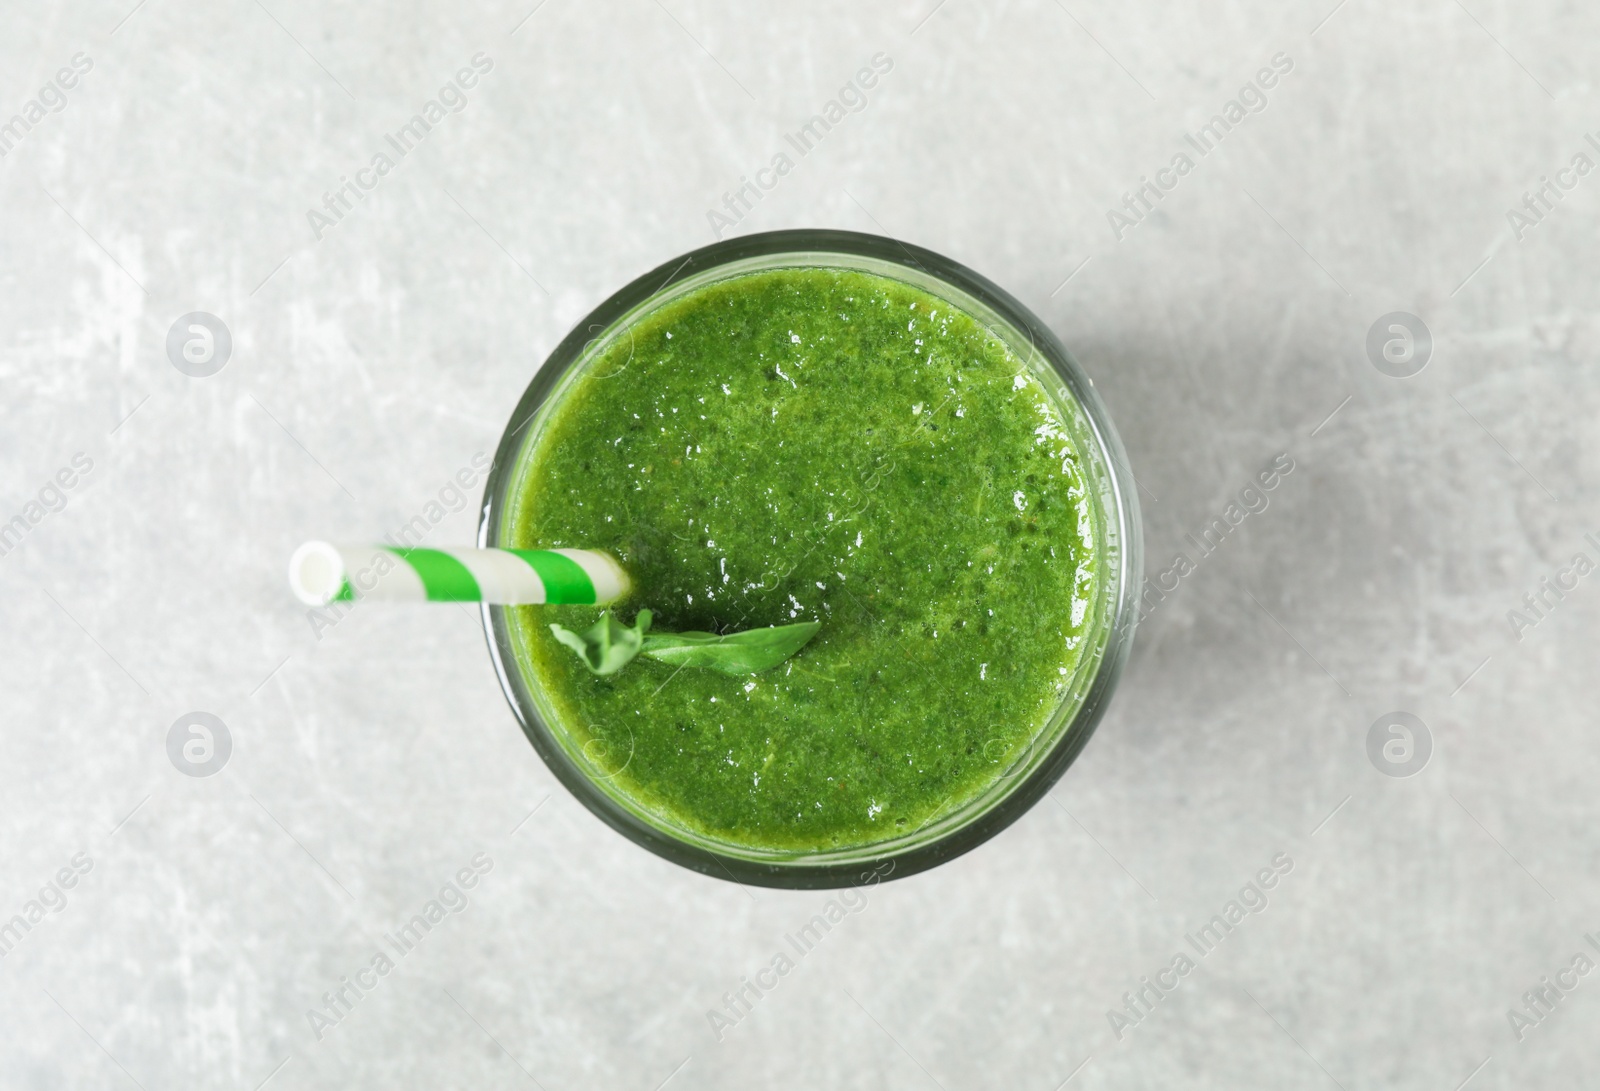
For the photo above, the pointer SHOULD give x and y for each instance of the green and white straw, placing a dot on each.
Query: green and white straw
(321, 573)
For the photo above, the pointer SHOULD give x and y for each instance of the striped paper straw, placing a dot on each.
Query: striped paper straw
(321, 573)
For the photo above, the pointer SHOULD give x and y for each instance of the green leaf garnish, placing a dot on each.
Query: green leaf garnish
(608, 645)
(749, 652)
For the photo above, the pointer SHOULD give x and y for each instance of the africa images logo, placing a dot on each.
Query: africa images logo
(52, 97)
(451, 99)
(852, 98)
(1251, 99)
(1140, 1003)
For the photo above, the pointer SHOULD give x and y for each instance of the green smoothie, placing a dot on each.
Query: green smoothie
(802, 444)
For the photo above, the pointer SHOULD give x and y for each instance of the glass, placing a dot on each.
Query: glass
(1117, 534)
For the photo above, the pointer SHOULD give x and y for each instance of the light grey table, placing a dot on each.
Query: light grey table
(375, 353)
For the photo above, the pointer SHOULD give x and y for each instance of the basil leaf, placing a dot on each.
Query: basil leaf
(608, 645)
(749, 652)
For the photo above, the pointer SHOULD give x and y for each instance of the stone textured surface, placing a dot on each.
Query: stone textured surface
(371, 762)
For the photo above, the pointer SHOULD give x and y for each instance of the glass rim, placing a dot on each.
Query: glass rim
(862, 864)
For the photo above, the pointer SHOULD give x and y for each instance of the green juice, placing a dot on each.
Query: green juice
(802, 444)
